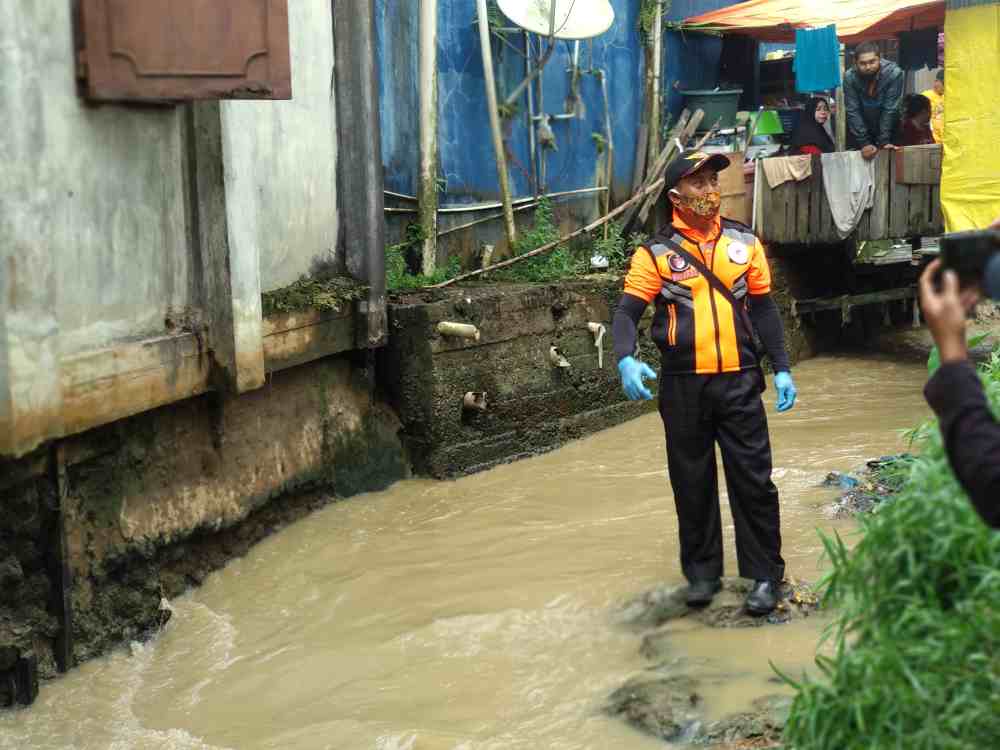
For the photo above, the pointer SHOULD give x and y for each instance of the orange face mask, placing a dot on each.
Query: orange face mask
(706, 205)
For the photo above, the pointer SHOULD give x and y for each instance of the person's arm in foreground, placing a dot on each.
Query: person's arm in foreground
(641, 286)
(971, 434)
(767, 320)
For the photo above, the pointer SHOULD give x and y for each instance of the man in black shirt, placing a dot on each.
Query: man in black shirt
(971, 434)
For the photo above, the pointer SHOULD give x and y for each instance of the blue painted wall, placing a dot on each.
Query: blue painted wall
(396, 32)
(467, 163)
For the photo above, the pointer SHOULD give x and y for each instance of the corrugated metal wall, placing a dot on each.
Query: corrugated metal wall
(466, 153)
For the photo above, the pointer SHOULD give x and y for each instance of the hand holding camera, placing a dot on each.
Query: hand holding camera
(951, 286)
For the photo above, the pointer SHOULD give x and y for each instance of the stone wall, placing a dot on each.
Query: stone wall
(532, 405)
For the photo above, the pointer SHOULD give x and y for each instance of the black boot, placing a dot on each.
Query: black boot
(700, 593)
(763, 597)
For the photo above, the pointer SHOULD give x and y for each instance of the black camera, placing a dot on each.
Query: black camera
(975, 257)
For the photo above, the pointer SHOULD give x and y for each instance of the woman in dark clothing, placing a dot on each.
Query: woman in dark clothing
(810, 137)
(915, 129)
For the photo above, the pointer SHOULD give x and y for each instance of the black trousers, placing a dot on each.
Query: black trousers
(699, 411)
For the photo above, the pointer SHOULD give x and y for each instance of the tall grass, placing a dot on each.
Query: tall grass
(916, 658)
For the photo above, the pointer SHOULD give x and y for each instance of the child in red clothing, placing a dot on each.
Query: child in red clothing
(915, 129)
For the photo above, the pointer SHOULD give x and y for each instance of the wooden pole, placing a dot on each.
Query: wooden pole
(654, 115)
(428, 134)
(491, 102)
(552, 245)
(688, 132)
(841, 108)
(660, 163)
(610, 145)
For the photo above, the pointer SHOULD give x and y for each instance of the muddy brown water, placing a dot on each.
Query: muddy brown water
(474, 614)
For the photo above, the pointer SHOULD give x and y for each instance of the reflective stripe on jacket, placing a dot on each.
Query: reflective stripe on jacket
(695, 327)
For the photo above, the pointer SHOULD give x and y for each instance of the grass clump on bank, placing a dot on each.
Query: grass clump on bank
(916, 663)
(330, 292)
(567, 261)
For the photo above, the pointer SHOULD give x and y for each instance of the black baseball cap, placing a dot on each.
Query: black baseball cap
(689, 162)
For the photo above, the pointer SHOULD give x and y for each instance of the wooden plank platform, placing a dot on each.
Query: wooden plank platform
(905, 204)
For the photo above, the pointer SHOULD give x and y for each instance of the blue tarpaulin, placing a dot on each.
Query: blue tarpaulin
(467, 164)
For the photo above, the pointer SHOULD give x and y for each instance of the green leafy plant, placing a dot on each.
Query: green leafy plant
(916, 658)
(934, 360)
(647, 16)
(397, 274)
(616, 248)
(560, 263)
(600, 142)
(507, 111)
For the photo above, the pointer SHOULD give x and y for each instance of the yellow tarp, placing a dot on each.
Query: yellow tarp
(970, 172)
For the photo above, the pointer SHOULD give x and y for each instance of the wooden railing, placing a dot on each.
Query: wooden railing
(907, 202)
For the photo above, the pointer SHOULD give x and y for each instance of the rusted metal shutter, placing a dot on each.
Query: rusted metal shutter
(171, 50)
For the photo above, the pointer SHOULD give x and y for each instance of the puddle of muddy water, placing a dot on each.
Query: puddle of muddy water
(474, 614)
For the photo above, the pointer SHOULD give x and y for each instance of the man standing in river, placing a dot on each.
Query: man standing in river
(711, 283)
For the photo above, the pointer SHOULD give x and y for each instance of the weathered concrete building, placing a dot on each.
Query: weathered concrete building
(145, 397)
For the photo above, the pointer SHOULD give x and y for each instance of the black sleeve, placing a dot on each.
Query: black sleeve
(971, 434)
(855, 122)
(625, 325)
(767, 320)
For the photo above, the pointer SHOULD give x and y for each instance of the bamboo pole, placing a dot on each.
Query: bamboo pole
(654, 94)
(841, 107)
(532, 144)
(428, 134)
(660, 163)
(552, 245)
(491, 101)
(610, 145)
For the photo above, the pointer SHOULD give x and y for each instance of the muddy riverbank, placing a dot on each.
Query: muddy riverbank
(478, 613)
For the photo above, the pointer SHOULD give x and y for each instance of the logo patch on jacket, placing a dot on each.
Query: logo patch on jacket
(738, 253)
(680, 269)
(677, 263)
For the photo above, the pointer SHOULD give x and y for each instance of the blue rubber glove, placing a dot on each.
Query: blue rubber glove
(786, 390)
(633, 372)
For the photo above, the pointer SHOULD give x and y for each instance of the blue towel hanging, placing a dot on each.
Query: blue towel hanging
(817, 59)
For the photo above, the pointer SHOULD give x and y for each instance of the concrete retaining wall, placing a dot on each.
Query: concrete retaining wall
(533, 406)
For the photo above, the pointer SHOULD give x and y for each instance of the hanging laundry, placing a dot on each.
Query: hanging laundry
(918, 49)
(782, 169)
(817, 59)
(849, 184)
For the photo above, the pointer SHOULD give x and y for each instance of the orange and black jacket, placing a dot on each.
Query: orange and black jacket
(695, 327)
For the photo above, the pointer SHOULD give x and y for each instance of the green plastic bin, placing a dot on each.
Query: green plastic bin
(717, 105)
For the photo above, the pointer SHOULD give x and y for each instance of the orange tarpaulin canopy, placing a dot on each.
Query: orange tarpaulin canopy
(856, 20)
